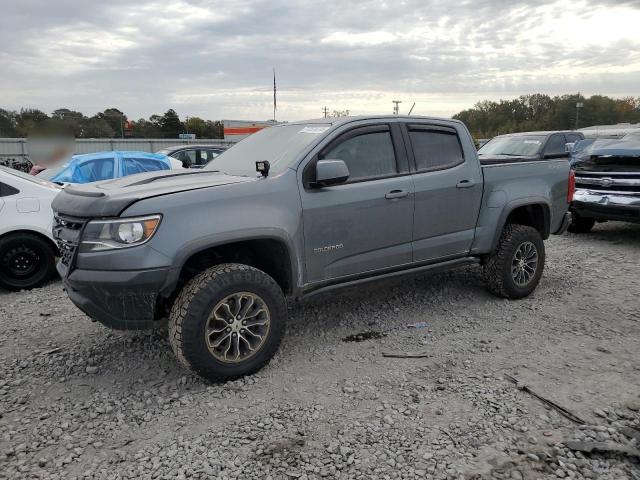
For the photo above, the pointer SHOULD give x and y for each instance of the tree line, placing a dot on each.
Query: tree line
(542, 112)
(111, 123)
(485, 120)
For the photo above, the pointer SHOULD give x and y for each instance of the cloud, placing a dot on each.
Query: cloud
(214, 59)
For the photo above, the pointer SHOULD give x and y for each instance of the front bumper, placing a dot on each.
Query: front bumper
(119, 299)
(605, 206)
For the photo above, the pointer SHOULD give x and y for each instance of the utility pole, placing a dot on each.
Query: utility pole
(325, 110)
(579, 105)
(396, 106)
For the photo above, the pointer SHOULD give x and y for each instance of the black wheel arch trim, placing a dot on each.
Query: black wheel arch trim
(200, 245)
(524, 202)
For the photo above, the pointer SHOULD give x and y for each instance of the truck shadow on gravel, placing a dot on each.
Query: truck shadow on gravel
(613, 233)
(387, 304)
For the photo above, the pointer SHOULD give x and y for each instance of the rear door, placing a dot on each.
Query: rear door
(448, 191)
(365, 224)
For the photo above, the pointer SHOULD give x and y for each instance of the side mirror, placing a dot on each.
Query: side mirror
(331, 172)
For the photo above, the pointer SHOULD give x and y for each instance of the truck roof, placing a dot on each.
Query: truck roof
(541, 132)
(343, 120)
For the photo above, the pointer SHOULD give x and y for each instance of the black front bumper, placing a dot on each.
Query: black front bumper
(119, 299)
(602, 206)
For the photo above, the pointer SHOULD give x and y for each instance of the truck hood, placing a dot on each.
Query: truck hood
(621, 156)
(111, 197)
(488, 159)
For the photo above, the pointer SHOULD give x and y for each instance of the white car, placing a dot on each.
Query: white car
(27, 248)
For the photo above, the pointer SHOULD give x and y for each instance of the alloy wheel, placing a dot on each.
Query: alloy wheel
(524, 263)
(237, 327)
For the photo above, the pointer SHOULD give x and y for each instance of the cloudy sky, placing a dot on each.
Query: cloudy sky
(214, 58)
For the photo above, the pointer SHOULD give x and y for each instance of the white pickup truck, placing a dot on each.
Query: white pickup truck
(27, 249)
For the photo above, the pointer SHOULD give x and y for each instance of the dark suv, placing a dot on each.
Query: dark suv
(194, 156)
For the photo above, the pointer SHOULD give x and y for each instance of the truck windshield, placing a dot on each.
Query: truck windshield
(279, 145)
(513, 146)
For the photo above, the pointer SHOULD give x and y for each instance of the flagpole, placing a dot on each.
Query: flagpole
(274, 94)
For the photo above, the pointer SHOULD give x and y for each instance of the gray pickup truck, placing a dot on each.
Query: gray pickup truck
(295, 210)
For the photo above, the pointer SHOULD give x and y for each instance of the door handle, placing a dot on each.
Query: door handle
(396, 194)
(465, 184)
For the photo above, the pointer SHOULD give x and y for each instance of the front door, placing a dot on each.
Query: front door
(365, 224)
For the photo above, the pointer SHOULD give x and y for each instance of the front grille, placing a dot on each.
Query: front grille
(67, 231)
(605, 182)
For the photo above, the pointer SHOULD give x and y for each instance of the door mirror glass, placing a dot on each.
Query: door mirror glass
(331, 172)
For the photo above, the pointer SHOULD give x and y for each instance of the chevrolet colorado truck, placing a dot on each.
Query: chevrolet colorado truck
(295, 210)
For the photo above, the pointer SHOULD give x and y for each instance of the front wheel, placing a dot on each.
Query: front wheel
(26, 261)
(228, 321)
(514, 269)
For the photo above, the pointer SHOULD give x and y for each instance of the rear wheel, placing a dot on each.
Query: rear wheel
(581, 224)
(514, 269)
(228, 321)
(26, 261)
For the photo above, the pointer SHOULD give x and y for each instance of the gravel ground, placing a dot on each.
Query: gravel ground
(80, 401)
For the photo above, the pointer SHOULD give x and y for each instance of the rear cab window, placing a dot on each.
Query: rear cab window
(434, 147)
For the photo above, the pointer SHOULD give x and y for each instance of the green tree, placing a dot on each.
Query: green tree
(95, 127)
(542, 112)
(8, 123)
(170, 124)
(28, 120)
(116, 120)
(146, 129)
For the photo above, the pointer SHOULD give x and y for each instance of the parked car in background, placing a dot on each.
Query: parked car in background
(579, 148)
(298, 209)
(528, 146)
(94, 167)
(607, 184)
(27, 248)
(193, 156)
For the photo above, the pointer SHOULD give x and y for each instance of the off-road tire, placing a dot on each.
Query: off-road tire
(497, 267)
(581, 224)
(40, 252)
(191, 310)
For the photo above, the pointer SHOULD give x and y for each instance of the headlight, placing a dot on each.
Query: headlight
(100, 235)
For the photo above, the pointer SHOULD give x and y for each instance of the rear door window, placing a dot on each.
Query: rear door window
(206, 155)
(132, 166)
(187, 157)
(98, 169)
(435, 148)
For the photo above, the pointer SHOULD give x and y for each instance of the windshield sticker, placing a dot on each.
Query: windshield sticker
(537, 142)
(315, 130)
